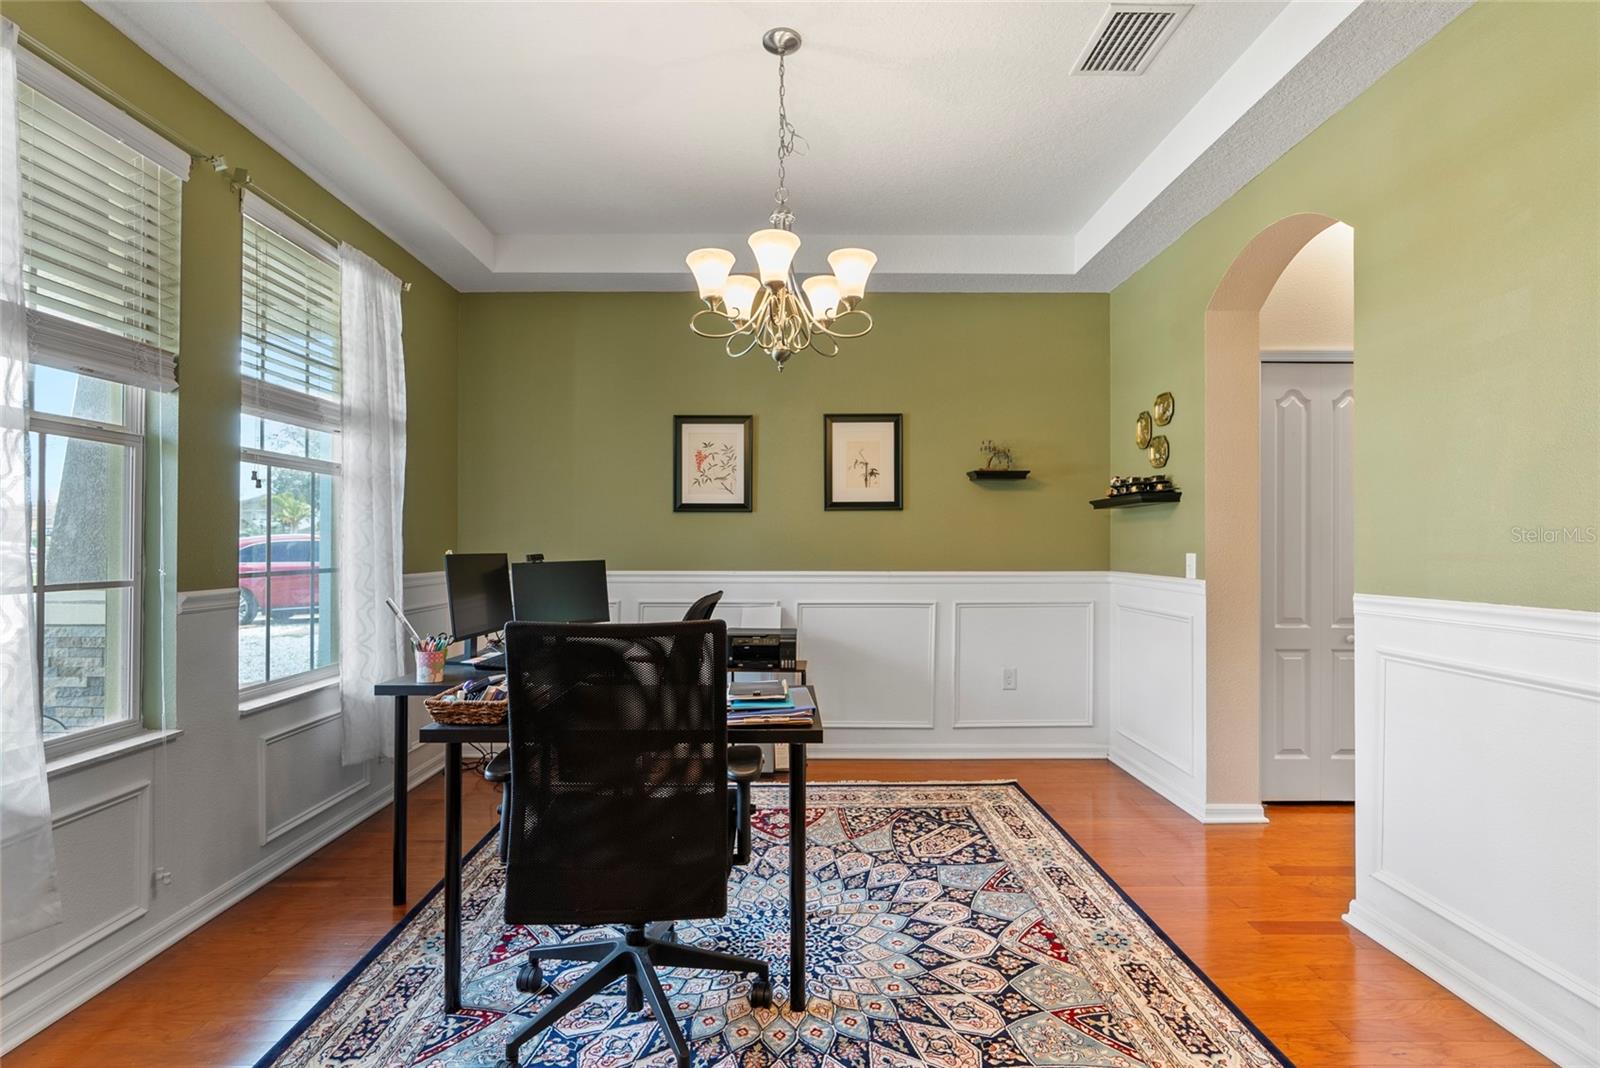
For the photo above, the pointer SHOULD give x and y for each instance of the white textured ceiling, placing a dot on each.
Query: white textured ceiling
(659, 118)
(589, 145)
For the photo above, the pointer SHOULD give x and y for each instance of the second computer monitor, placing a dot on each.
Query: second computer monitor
(560, 591)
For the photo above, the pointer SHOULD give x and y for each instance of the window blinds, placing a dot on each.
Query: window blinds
(289, 335)
(100, 243)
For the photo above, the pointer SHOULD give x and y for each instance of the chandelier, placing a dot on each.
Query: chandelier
(768, 312)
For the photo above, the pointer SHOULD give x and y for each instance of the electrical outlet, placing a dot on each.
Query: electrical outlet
(1008, 679)
(162, 876)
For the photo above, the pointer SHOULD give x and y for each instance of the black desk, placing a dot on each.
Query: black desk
(452, 738)
(402, 688)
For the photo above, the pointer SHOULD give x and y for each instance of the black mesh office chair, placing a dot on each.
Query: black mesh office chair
(703, 608)
(743, 760)
(619, 805)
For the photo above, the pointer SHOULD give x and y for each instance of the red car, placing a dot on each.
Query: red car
(295, 585)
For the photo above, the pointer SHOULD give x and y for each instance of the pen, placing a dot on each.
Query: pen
(401, 616)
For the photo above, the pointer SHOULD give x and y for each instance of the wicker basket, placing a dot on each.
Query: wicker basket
(465, 713)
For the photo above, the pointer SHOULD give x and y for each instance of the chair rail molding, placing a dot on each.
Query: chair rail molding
(195, 602)
(1478, 736)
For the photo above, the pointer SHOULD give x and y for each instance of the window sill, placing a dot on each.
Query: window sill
(100, 754)
(259, 701)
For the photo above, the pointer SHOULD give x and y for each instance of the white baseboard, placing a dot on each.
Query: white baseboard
(419, 772)
(1215, 813)
(1501, 1006)
(891, 751)
(1168, 787)
(44, 1007)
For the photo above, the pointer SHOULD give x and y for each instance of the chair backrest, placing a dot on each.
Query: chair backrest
(619, 802)
(703, 608)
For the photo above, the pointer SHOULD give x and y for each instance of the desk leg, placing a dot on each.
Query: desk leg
(797, 876)
(452, 876)
(402, 748)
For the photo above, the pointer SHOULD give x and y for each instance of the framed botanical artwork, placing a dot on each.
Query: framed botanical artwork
(711, 463)
(861, 462)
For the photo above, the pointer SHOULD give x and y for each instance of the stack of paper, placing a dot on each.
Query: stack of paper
(792, 706)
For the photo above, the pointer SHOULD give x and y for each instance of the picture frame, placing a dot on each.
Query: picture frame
(862, 462)
(713, 463)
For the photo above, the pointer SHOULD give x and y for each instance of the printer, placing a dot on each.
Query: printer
(761, 648)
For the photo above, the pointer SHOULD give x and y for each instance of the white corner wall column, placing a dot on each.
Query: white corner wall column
(1157, 635)
(154, 840)
(1478, 808)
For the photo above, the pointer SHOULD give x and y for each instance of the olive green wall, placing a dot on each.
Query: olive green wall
(208, 433)
(1469, 173)
(574, 395)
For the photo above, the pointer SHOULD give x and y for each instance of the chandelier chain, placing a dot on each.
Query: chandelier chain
(788, 140)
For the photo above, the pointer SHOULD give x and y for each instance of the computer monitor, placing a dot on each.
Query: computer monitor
(560, 591)
(478, 588)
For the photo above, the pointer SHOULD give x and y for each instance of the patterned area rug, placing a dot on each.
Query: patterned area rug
(952, 925)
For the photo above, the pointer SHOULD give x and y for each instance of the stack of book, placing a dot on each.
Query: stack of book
(770, 704)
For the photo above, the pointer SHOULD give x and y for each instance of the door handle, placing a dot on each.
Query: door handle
(1350, 639)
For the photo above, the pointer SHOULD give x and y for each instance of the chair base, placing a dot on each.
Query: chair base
(634, 957)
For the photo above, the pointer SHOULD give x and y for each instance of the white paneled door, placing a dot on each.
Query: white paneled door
(1307, 583)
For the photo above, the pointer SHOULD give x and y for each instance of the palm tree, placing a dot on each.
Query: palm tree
(291, 511)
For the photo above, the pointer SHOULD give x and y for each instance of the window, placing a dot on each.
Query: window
(100, 200)
(289, 450)
(85, 487)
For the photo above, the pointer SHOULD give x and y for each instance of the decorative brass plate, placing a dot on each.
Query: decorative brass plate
(1158, 451)
(1164, 407)
(1141, 430)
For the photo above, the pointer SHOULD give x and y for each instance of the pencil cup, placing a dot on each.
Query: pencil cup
(430, 665)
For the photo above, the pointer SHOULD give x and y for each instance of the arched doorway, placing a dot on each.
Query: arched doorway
(1233, 507)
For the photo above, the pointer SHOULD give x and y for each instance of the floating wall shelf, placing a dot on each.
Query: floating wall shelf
(1124, 500)
(981, 475)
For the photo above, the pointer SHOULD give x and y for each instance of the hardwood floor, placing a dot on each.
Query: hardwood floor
(1257, 908)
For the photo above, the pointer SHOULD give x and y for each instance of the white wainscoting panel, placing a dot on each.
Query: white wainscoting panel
(1478, 807)
(876, 657)
(103, 868)
(1158, 686)
(301, 776)
(909, 663)
(1049, 646)
(225, 803)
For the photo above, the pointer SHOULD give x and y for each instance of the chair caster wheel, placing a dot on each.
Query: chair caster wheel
(530, 978)
(761, 994)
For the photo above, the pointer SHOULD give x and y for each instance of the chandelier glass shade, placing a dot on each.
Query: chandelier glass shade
(768, 310)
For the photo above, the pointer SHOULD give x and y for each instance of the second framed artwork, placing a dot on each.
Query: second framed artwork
(861, 462)
(711, 458)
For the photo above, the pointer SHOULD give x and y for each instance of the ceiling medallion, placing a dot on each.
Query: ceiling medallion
(746, 312)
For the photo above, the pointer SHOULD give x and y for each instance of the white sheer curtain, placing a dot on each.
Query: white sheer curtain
(29, 899)
(372, 488)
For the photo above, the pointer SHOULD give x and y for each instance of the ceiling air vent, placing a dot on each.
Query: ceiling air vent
(1128, 37)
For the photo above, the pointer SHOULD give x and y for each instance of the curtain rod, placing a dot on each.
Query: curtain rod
(105, 92)
(240, 179)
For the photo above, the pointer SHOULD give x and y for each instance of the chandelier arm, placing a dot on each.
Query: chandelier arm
(821, 349)
(847, 335)
(728, 345)
(718, 335)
